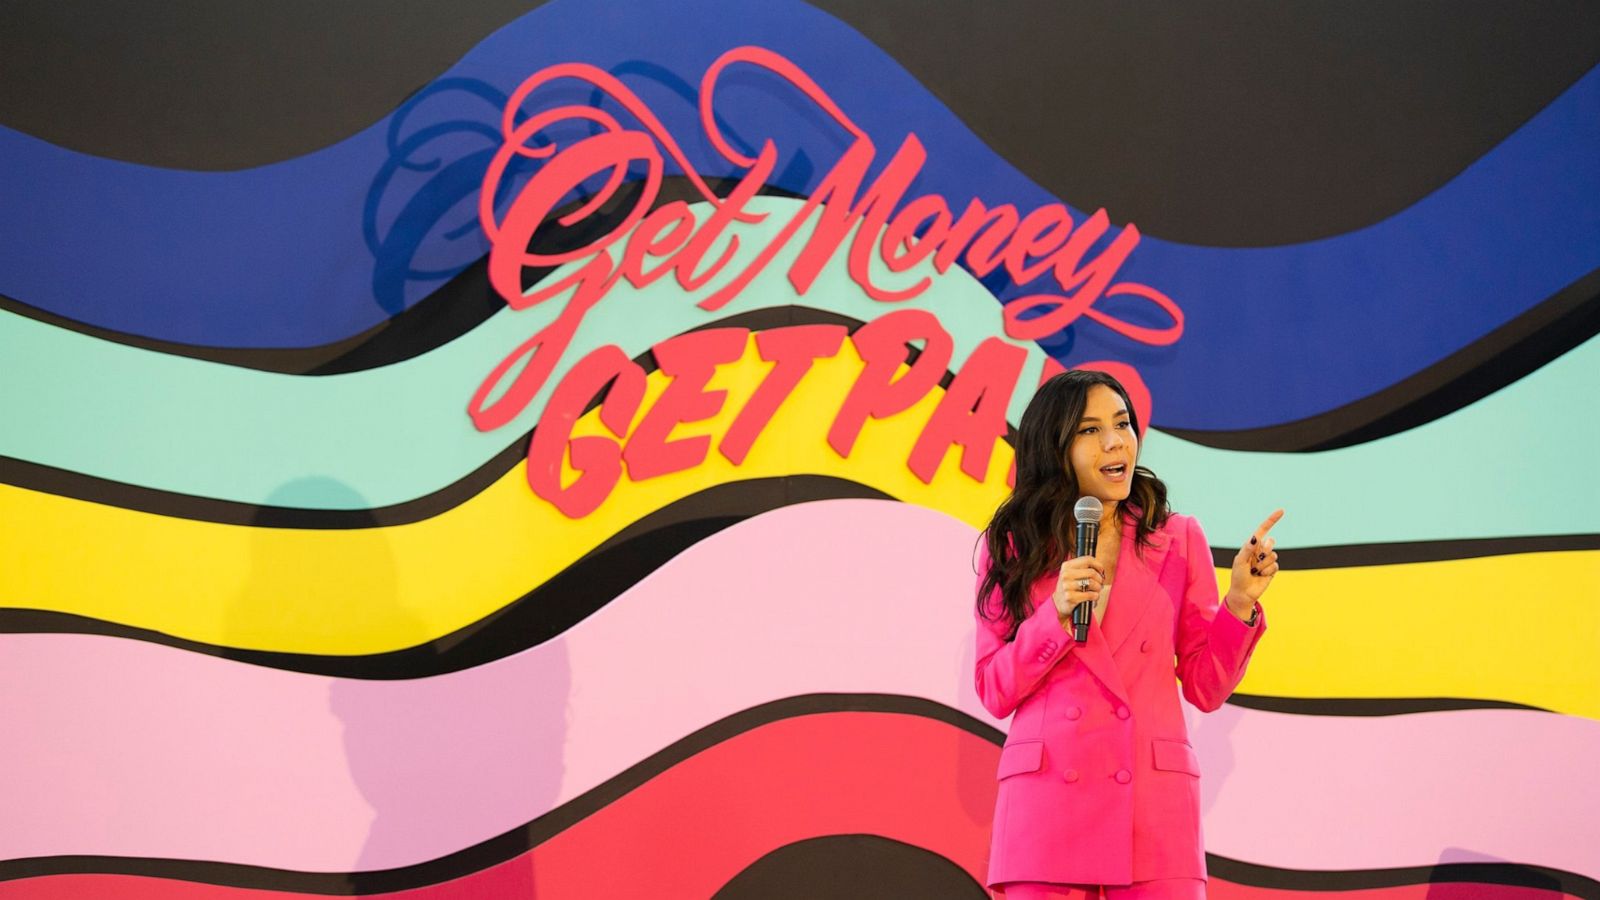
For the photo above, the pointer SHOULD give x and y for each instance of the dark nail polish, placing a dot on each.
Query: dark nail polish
(1253, 571)
(1260, 557)
(1252, 540)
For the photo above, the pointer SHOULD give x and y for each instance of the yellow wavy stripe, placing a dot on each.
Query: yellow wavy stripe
(379, 589)
(1522, 628)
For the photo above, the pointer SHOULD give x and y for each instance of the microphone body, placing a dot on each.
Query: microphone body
(1087, 511)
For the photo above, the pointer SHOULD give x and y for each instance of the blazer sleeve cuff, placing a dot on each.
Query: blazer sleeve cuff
(1232, 641)
(1041, 637)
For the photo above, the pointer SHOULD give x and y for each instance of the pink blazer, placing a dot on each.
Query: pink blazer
(1098, 781)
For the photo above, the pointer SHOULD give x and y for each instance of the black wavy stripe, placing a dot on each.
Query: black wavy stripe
(1369, 706)
(1402, 552)
(188, 85)
(523, 838)
(455, 308)
(1497, 873)
(852, 867)
(1270, 98)
(1503, 356)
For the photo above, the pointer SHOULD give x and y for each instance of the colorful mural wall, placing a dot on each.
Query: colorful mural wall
(538, 450)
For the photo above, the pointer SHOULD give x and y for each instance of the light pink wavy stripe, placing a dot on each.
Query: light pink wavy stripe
(114, 747)
(1317, 792)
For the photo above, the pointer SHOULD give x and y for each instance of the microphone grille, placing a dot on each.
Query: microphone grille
(1087, 509)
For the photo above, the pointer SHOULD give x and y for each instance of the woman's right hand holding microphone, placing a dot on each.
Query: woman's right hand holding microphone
(1080, 580)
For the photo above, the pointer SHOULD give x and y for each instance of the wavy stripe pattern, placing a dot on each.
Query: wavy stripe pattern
(268, 634)
(380, 590)
(206, 772)
(373, 591)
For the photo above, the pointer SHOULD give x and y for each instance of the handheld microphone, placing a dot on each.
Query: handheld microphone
(1087, 511)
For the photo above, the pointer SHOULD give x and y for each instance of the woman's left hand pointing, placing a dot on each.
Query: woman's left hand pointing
(1253, 568)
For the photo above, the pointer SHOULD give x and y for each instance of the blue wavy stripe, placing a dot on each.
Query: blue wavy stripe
(315, 249)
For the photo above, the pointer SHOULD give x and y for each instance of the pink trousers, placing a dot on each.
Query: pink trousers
(1160, 889)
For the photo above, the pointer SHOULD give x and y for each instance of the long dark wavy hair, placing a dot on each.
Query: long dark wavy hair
(1031, 531)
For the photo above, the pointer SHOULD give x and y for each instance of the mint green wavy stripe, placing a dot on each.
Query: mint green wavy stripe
(1517, 462)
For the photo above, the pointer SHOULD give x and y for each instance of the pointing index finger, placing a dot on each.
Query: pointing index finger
(1266, 526)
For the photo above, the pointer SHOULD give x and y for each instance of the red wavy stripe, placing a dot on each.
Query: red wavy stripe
(692, 828)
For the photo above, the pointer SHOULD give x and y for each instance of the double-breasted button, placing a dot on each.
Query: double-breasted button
(1122, 712)
(1144, 646)
(1070, 774)
(1124, 776)
(1074, 712)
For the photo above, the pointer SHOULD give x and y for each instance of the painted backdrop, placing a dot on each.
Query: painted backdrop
(538, 449)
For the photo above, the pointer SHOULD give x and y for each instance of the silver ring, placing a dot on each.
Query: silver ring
(1083, 584)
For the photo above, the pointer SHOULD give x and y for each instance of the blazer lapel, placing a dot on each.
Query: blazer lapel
(1132, 592)
(1092, 653)
(1133, 588)
(1096, 657)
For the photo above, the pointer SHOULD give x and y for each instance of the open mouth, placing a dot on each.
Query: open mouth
(1115, 472)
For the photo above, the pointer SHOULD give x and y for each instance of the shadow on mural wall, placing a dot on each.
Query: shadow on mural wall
(1449, 878)
(433, 757)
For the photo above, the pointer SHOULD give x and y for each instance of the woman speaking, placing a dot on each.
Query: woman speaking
(1098, 785)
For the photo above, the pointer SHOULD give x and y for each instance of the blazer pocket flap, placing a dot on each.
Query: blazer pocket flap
(1176, 756)
(1023, 756)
